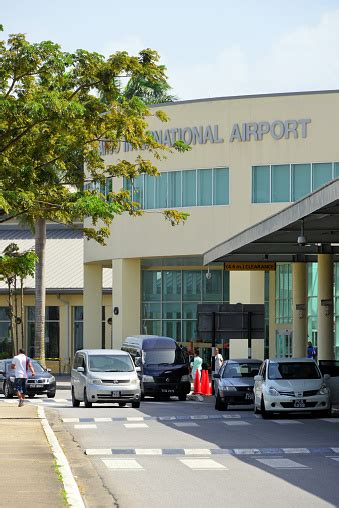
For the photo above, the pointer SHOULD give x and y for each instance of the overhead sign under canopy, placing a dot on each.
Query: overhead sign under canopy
(257, 267)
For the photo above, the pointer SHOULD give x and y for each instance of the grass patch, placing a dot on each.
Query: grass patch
(59, 475)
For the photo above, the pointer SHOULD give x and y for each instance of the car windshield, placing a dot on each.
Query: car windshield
(164, 357)
(241, 369)
(110, 363)
(293, 370)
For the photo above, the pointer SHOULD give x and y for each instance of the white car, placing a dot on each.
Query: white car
(291, 385)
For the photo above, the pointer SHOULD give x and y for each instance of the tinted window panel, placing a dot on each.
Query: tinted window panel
(322, 173)
(281, 183)
(189, 188)
(301, 180)
(261, 184)
(220, 186)
(204, 187)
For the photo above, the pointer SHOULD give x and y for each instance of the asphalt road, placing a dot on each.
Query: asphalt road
(186, 454)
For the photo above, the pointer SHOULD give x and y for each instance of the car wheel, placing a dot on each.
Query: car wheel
(324, 413)
(86, 401)
(122, 404)
(142, 396)
(7, 392)
(136, 404)
(51, 395)
(263, 411)
(219, 405)
(182, 396)
(75, 402)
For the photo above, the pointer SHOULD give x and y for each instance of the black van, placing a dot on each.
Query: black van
(163, 363)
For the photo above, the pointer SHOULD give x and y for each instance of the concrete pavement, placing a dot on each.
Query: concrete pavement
(28, 472)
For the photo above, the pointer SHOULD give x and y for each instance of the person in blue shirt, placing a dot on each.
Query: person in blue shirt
(311, 351)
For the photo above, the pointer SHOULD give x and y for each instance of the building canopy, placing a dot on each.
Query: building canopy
(315, 217)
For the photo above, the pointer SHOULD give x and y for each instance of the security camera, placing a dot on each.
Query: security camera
(302, 241)
(208, 275)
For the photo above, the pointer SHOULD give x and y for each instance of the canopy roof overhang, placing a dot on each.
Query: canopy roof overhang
(276, 238)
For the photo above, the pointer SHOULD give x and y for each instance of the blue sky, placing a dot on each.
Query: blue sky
(210, 49)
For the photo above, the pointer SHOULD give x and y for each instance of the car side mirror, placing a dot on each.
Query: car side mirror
(258, 378)
(326, 377)
(48, 370)
(138, 369)
(80, 369)
(216, 376)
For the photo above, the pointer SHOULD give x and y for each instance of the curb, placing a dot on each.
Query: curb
(71, 488)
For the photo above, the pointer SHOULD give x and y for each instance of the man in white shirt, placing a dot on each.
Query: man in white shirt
(218, 360)
(21, 363)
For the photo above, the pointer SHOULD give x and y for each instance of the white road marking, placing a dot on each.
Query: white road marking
(125, 464)
(282, 463)
(199, 417)
(85, 426)
(197, 451)
(148, 451)
(237, 423)
(246, 451)
(335, 458)
(97, 420)
(296, 450)
(186, 424)
(70, 420)
(336, 450)
(135, 418)
(330, 420)
(98, 451)
(135, 425)
(285, 422)
(231, 416)
(202, 464)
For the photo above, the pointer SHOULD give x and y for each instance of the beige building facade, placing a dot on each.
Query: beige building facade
(250, 157)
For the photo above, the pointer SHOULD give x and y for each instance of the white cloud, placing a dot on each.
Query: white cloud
(304, 59)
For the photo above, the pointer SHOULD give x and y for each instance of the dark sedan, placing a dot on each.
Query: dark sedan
(234, 382)
(42, 382)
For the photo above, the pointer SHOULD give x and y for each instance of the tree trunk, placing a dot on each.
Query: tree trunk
(16, 316)
(22, 311)
(40, 290)
(10, 309)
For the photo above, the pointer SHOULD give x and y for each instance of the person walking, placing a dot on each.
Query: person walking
(196, 364)
(311, 351)
(21, 363)
(218, 360)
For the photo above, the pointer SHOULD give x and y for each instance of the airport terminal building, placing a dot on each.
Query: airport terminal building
(251, 157)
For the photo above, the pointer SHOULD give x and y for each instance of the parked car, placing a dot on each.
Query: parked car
(291, 385)
(42, 382)
(164, 368)
(234, 382)
(104, 375)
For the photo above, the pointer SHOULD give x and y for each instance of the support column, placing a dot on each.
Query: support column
(299, 309)
(325, 307)
(92, 306)
(125, 299)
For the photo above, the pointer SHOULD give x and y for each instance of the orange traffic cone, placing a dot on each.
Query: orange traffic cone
(204, 381)
(209, 386)
(197, 385)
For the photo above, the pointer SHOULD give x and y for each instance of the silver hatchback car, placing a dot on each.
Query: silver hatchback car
(104, 375)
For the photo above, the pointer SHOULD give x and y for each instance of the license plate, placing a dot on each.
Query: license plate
(299, 403)
(167, 390)
(115, 394)
(38, 385)
(249, 396)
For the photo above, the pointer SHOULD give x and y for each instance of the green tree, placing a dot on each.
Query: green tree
(149, 91)
(57, 108)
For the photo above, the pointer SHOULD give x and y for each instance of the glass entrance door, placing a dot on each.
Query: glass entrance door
(283, 343)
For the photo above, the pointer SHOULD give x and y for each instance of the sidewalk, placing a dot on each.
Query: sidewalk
(28, 473)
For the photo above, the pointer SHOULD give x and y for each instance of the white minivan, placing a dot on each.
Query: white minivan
(291, 385)
(104, 375)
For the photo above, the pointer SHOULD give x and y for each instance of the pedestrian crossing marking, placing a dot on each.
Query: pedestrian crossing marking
(335, 458)
(203, 464)
(123, 464)
(186, 424)
(236, 423)
(135, 418)
(197, 451)
(296, 450)
(98, 451)
(282, 463)
(148, 451)
(136, 425)
(285, 422)
(246, 451)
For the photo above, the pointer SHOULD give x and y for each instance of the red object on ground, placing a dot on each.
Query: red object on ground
(197, 384)
(204, 382)
(209, 387)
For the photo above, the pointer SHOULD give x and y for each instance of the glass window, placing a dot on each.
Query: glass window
(151, 310)
(138, 190)
(110, 363)
(204, 187)
(161, 191)
(191, 285)
(281, 183)
(174, 189)
(226, 286)
(171, 286)
(172, 329)
(149, 182)
(150, 327)
(220, 186)
(336, 170)
(4, 313)
(260, 184)
(189, 330)
(171, 310)
(189, 310)
(189, 188)
(212, 286)
(321, 173)
(301, 180)
(151, 286)
(128, 186)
